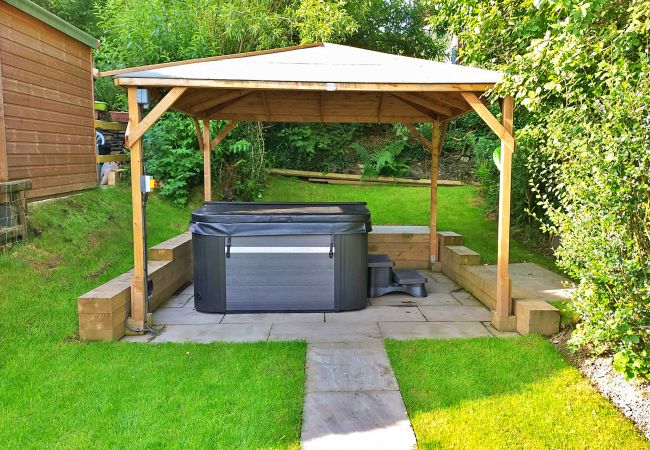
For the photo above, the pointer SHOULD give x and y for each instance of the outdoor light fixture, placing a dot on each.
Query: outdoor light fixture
(330, 87)
(142, 96)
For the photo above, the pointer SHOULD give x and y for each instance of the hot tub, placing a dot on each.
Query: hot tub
(254, 257)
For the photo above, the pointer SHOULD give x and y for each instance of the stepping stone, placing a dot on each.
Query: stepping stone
(356, 420)
(456, 313)
(214, 333)
(349, 367)
(432, 330)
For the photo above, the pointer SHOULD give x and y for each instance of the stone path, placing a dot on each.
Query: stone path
(352, 400)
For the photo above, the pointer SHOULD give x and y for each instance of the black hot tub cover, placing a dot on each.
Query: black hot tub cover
(274, 219)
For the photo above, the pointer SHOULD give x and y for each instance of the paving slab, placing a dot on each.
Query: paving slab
(465, 298)
(325, 332)
(377, 314)
(188, 290)
(432, 330)
(274, 318)
(356, 420)
(178, 301)
(456, 313)
(214, 333)
(440, 298)
(352, 366)
(184, 316)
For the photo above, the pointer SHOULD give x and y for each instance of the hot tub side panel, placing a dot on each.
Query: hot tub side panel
(209, 273)
(351, 278)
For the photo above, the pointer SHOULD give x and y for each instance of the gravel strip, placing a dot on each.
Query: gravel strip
(629, 397)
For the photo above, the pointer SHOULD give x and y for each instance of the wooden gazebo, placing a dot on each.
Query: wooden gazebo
(317, 83)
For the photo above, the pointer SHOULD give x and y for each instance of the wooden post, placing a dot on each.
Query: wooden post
(435, 148)
(502, 317)
(4, 167)
(207, 166)
(137, 319)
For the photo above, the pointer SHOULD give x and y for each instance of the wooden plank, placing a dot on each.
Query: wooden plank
(307, 86)
(353, 177)
(111, 158)
(425, 102)
(213, 102)
(28, 124)
(15, 186)
(163, 105)
(4, 167)
(265, 103)
(426, 144)
(408, 246)
(397, 238)
(433, 237)
(52, 160)
(137, 318)
(111, 126)
(226, 104)
(36, 171)
(59, 188)
(489, 119)
(225, 131)
(330, 118)
(503, 309)
(55, 118)
(18, 139)
(380, 107)
(207, 166)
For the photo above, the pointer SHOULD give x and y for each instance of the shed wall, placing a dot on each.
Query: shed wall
(47, 106)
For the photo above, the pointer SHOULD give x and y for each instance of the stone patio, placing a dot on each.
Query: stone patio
(447, 312)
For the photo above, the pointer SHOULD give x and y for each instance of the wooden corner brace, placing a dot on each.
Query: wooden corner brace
(163, 105)
(426, 144)
(506, 137)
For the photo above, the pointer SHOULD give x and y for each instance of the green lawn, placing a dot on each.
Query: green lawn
(503, 393)
(459, 210)
(57, 392)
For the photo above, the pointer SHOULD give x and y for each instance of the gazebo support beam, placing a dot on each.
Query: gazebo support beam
(137, 318)
(424, 102)
(134, 133)
(225, 131)
(502, 318)
(207, 164)
(435, 153)
(414, 131)
(506, 137)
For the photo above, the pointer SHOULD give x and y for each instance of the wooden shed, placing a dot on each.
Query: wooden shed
(46, 101)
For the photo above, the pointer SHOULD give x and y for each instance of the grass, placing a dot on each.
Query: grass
(503, 393)
(57, 392)
(459, 209)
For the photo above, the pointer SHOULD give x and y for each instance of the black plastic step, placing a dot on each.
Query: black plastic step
(408, 276)
(379, 260)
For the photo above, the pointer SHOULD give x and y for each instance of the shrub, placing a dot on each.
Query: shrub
(600, 206)
(173, 157)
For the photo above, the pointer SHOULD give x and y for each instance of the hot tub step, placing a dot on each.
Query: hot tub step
(408, 277)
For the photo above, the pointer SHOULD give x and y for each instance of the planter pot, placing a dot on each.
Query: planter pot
(119, 116)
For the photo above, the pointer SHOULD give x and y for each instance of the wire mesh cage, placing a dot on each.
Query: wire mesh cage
(13, 212)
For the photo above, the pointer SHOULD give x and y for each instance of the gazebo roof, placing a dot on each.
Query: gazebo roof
(313, 83)
(320, 63)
